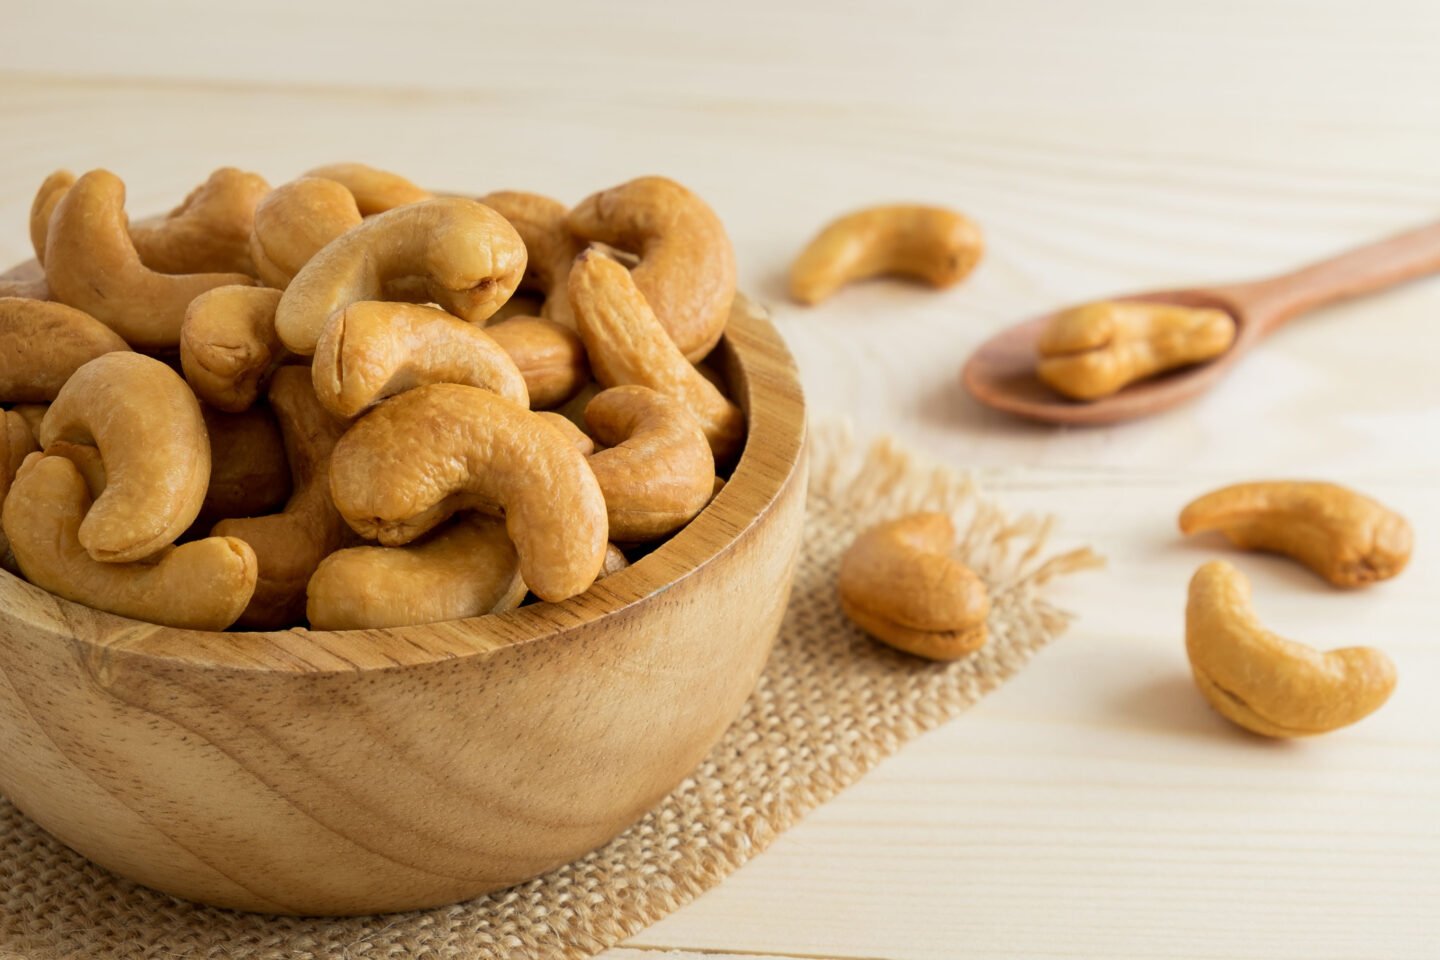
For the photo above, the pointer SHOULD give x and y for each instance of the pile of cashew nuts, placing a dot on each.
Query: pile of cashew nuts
(351, 403)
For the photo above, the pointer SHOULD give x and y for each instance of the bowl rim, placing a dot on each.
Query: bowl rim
(765, 383)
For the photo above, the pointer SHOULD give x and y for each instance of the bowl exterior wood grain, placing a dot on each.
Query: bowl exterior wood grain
(340, 773)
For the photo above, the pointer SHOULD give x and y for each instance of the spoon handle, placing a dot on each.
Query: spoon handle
(1266, 304)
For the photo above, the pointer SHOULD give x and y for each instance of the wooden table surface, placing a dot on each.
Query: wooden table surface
(1094, 807)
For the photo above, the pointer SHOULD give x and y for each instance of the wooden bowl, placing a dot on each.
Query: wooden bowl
(314, 772)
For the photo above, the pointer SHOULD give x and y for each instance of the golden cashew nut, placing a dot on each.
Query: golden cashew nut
(467, 568)
(1342, 535)
(17, 442)
(371, 350)
(201, 585)
(615, 561)
(249, 474)
(627, 345)
(1265, 683)
(687, 264)
(43, 344)
(228, 344)
(91, 264)
(657, 472)
(438, 449)
(46, 199)
(550, 248)
(1094, 350)
(289, 545)
(209, 232)
(550, 356)
(931, 244)
(469, 256)
(294, 222)
(152, 440)
(577, 437)
(32, 414)
(899, 583)
(374, 190)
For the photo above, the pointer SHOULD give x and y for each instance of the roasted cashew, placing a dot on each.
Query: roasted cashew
(1342, 535)
(87, 460)
(615, 561)
(33, 414)
(627, 345)
(931, 244)
(42, 344)
(374, 190)
(469, 256)
(36, 289)
(431, 451)
(687, 264)
(91, 264)
(550, 356)
(1094, 350)
(17, 442)
(899, 583)
(657, 473)
(46, 198)
(371, 350)
(294, 222)
(466, 569)
(579, 438)
(201, 585)
(289, 545)
(209, 232)
(249, 474)
(152, 439)
(228, 343)
(550, 248)
(1265, 683)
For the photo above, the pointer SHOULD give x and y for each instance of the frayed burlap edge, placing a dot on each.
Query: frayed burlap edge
(831, 705)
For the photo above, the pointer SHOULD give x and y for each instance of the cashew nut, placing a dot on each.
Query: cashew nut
(899, 583)
(91, 264)
(42, 344)
(627, 345)
(32, 414)
(466, 569)
(87, 460)
(579, 438)
(1265, 683)
(615, 561)
(687, 265)
(420, 457)
(1093, 351)
(657, 473)
(17, 442)
(931, 244)
(201, 585)
(152, 439)
(550, 248)
(46, 198)
(209, 231)
(289, 545)
(228, 343)
(469, 255)
(371, 350)
(550, 356)
(294, 222)
(249, 474)
(1342, 535)
(374, 190)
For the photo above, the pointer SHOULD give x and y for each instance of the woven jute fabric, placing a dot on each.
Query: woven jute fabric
(831, 705)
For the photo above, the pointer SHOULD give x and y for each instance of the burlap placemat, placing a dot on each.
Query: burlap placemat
(830, 706)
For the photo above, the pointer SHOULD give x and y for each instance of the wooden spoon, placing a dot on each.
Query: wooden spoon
(1001, 373)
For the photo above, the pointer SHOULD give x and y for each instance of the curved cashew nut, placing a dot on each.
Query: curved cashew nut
(294, 222)
(152, 440)
(42, 344)
(899, 583)
(17, 442)
(627, 345)
(228, 343)
(33, 414)
(91, 264)
(466, 569)
(371, 350)
(550, 248)
(431, 451)
(249, 474)
(687, 264)
(469, 256)
(201, 585)
(1094, 350)
(1265, 683)
(577, 437)
(550, 356)
(931, 244)
(209, 231)
(46, 199)
(289, 545)
(615, 561)
(657, 473)
(374, 190)
(1342, 535)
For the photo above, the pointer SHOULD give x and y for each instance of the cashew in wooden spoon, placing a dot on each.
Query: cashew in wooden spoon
(550, 247)
(43, 344)
(249, 474)
(550, 356)
(228, 344)
(1265, 683)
